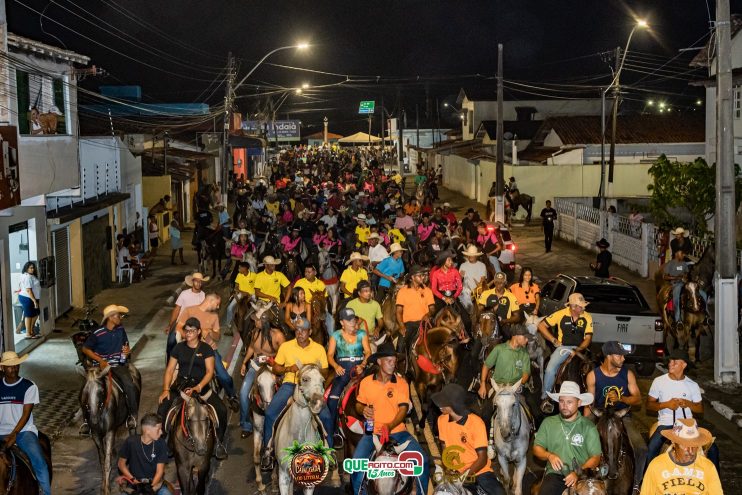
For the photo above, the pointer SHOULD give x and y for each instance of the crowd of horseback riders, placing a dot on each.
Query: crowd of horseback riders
(357, 304)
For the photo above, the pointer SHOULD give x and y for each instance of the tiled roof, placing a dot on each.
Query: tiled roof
(630, 129)
(523, 129)
(702, 58)
(538, 154)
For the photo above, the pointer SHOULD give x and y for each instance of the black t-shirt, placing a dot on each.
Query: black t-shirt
(204, 218)
(183, 354)
(143, 459)
(549, 215)
(604, 258)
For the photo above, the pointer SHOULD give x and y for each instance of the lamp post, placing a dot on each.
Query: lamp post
(299, 46)
(615, 84)
(324, 140)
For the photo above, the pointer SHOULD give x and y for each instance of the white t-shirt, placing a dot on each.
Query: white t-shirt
(377, 253)
(12, 399)
(330, 221)
(665, 388)
(188, 298)
(29, 281)
(472, 273)
(122, 258)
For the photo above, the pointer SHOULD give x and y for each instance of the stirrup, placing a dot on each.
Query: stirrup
(546, 406)
(220, 451)
(84, 429)
(267, 462)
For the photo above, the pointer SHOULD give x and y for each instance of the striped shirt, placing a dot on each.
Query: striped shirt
(108, 344)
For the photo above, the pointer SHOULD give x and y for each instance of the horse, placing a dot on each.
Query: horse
(293, 270)
(574, 369)
(250, 314)
(588, 483)
(261, 395)
(448, 317)
(536, 348)
(389, 309)
(301, 421)
(451, 486)
(212, 246)
(269, 246)
(328, 273)
(16, 475)
(517, 199)
(104, 408)
(319, 312)
(512, 432)
(192, 440)
(389, 452)
(694, 321)
(617, 452)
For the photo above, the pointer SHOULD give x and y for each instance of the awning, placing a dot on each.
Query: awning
(359, 137)
(79, 210)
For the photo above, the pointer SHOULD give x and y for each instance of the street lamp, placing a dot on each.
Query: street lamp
(305, 86)
(299, 46)
(640, 24)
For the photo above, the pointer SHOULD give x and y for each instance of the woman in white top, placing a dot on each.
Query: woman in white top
(176, 243)
(154, 235)
(28, 297)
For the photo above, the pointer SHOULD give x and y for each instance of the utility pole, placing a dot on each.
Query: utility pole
(417, 125)
(401, 124)
(383, 118)
(614, 118)
(228, 99)
(726, 338)
(500, 170)
(324, 134)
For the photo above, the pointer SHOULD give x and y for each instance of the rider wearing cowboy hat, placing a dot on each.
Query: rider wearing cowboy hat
(17, 399)
(681, 470)
(680, 241)
(603, 260)
(389, 271)
(415, 304)
(187, 298)
(472, 272)
(564, 438)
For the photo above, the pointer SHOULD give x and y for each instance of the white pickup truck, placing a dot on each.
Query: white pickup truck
(619, 312)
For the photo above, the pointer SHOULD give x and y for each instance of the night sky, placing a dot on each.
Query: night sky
(411, 52)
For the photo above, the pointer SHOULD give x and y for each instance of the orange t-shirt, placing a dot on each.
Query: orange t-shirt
(386, 398)
(472, 435)
(209, 320)
(414, 302)
(523, 296)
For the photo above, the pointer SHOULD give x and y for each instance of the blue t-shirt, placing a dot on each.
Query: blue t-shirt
(108, 344)
(392, 268)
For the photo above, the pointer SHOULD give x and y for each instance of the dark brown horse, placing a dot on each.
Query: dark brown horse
(436, 364)
(574, 369)
(16, 475)
(319, 311)
(617, 453)
(518, 199)
(389, 310)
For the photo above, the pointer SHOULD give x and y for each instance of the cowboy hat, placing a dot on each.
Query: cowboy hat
(373, 235)
(270, 260)
(686, 432)
(446, 205)
(10, 358)
(571, 389)
(356, 256)
(578, 300)
(384, 350)
(112, 309)
(361, 216)
(471, 250)
(453, 395)
(443, 256)
(243, 232)
(680, 230)
(196, 276)
(602, 243)
(396, 247)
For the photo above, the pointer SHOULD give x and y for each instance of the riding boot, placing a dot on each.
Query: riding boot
(84, 429)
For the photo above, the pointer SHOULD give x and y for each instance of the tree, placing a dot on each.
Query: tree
(690, 186)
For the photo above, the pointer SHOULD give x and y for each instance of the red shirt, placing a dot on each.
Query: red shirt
(449, 280)
(450, 217)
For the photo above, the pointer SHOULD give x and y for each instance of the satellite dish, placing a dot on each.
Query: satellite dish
(508, 135)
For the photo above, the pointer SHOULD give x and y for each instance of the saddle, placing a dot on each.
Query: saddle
(177, 410)
(424, 362)
(21, 456)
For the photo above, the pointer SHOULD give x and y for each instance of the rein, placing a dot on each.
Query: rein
(108, 390)
(13, 471)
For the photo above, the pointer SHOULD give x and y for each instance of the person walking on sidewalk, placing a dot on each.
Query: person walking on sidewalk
(548, 217)
(18, 396)
(29, 294)
(603, 260)
(176, 241)
(187, 298)
(153, 230)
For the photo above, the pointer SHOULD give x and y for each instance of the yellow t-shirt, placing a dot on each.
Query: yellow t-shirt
(507, 303)
(271, 284)
(396, 235)
(664, 477)
(351, 278)
(246, 283)
(362, 233)
(316, 286)
(569, 332)
(290, 353)
(273, 207)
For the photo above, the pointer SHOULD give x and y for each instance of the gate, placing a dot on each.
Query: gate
(63, 287)
(96, 256)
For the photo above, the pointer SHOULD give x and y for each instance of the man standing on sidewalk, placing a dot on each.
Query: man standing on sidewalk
(548, 217)
(191, 297)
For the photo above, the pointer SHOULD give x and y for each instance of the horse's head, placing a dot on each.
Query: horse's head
(613, 438)
(488, 325)
(197, 424)
(310, 388)
(508, 409)
(265, 385)
(692, 300)
(389, 452)
(94, 394)
(319, 304)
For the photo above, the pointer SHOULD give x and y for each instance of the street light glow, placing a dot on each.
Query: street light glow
(650, 103)
(662, 104)
(699, 102)
(298, 91)
(305, 86)
(461, 116)
(642, 23)
(302, 46)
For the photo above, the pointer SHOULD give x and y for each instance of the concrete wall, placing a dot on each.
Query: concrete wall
(460, 175)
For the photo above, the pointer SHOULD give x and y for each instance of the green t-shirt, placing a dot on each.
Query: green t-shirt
(582, 440)
(370, 311)
(508, 364)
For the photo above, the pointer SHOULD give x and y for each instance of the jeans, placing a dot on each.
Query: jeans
(338, 385)
(495, 263)
(657, 441)
(365, 450)
(223, 375)
(131, 394)
(676, 290)
(555, 361)
(487, 484)
(245, 423)
(28, 442)
(163, 490)
(283, 394)
(229, 315)
(171, 342)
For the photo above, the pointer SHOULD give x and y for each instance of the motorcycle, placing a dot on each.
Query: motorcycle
(86, 326)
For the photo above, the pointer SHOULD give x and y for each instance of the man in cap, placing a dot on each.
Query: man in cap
(472, 272)
(614, 385)
(362, 231)
(602, 260)
(503, 301)
(389, 270)
(384, 398)
(187, 298)
(508, 361)
(415, 304)
(548, 216)
(244, 286)
(673, 396)
(574, 328)
(17, 399)
(270, 283)
(367, 309)
(449, 216)
(682, 470)
(460, 428)
(564, 438)
(353, 274)
(675, 272)
(109, 346)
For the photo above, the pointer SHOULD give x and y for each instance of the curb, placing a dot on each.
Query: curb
(722, 409)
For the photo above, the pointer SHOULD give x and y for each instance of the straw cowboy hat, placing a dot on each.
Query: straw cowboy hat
(373, 235)
(196, 276)
(471, 250)
(684, 432)
(578, 300)
(396, 247)
(270, 260)
(243, 232)
(571, 389)
(112, 309)
(356, 256)
(10, 358)
(361, 216)
(680, 230)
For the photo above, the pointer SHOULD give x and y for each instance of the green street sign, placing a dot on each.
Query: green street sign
(366, 107)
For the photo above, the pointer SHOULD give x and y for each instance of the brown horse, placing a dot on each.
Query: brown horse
(686, 333)
(319, 311)
(617, 452)
(389, 310)
(447, 317)
(16, 475)
(574, 369)
(436, 364)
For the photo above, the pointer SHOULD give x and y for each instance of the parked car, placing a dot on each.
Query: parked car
(619, 313)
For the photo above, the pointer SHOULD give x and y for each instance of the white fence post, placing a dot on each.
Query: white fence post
(645, 249)
(576, 229)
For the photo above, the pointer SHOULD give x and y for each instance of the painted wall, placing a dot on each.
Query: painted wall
(155, 187)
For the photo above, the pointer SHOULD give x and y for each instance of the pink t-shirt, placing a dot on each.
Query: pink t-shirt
(238, 251)
(188, 298)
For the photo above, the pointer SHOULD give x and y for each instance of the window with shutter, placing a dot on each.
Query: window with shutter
(58, 85)
(21, 84)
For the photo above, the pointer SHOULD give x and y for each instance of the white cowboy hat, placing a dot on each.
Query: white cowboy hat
(243, 232)
(684, 432)
(446, 205)
(396, 247)
(373, 235)
(571, 389)
(10, 358)
(112, 309)
(578, 300)
(471, 250)
(196, 276)
(356, 256)
(361, 217)
(680, 230)
(270, 260)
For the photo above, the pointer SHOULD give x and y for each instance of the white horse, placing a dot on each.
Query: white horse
(536, 345)
(265, 386)
(512, 434)
(389, 452)
(329, 275)
(301, 421)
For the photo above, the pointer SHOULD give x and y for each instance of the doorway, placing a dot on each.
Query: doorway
(19, 247)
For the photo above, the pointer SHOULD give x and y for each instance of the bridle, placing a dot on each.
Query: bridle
(515, 419)
(188, 441)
